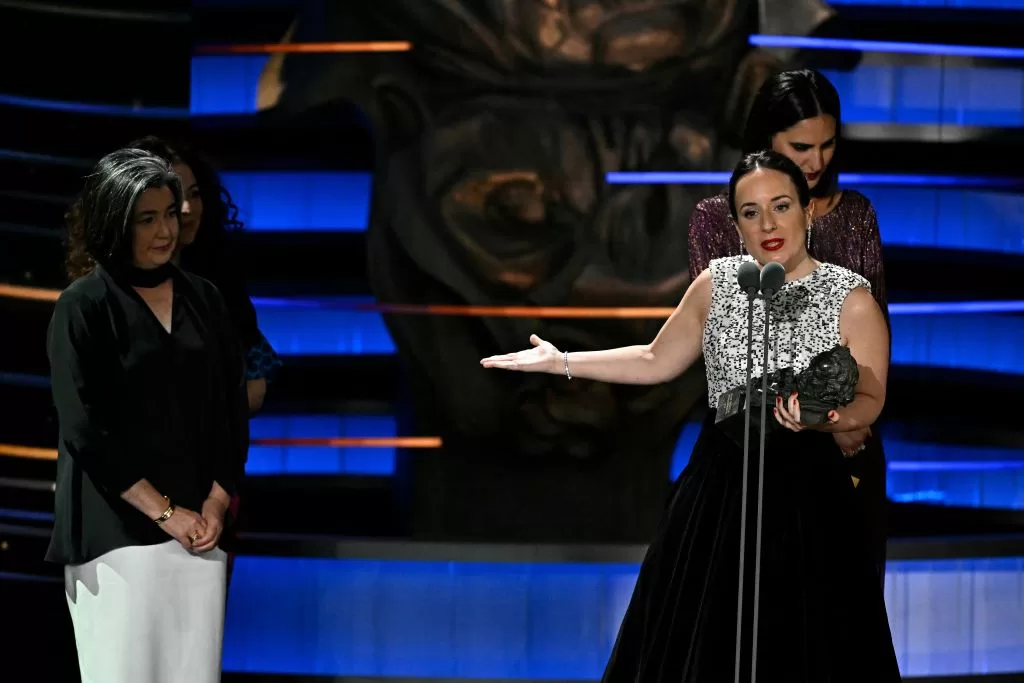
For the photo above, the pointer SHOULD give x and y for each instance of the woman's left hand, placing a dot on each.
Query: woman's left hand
(788, 414)
(213, 512)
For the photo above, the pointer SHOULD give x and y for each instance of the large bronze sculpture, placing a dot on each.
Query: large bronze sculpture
(494, 136)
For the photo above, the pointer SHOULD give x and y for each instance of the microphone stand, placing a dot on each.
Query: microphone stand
(768, 289)
(751, 297)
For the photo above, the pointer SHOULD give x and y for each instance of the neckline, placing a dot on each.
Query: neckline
(817, 268)
(835, 207)
(145, 278)
(121, 280)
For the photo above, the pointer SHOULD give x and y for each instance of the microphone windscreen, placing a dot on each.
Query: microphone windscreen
(773, 275)
(749, 276)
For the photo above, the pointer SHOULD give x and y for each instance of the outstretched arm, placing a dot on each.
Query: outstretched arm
(673, 350)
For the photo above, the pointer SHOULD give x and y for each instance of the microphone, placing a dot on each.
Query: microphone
(773, 276)
(749, 278)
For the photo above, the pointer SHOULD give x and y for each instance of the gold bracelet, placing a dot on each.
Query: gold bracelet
(167, 513)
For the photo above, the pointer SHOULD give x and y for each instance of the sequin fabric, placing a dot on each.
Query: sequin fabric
(847, 236)
(804, 313)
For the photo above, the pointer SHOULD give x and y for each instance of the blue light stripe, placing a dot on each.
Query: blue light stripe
(26, 515)
(948, 95)
(30, 578)
(952, 4)
(955, 474)
(19, 379)
(322, 460)
(557, 621)
(326, 201)
(94, 109)
(957, 466)
(956, 308)
(910, 212)
(363, 305)
(225, 84)
(48, 159)
(969, 335)
(950, 474)
(861, 179)
(946, 474)
(812, 43)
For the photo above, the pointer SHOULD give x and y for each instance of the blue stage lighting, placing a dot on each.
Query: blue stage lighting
(812, 43)
(856, 179)
(934, 4)
(556, 621)
(94, 109)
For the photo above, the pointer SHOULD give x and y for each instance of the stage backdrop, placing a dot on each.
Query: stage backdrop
(493, 139)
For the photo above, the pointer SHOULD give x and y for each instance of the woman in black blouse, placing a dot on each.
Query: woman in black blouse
(149, 386)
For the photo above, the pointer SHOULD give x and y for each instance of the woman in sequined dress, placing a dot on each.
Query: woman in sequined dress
(822, 614)
(797, 113)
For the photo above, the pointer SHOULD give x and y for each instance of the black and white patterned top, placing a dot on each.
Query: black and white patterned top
(804, 322)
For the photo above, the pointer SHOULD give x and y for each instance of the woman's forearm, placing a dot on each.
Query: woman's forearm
(218, 494)
(859, 414)
(256, 392)
(624, 365)
(144, 497)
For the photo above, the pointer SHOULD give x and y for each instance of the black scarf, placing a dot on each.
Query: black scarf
(143, 277)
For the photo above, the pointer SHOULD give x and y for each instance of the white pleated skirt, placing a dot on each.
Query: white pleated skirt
(149, 614)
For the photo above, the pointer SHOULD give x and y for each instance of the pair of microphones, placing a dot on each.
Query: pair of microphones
(756, 283)
(766, 281)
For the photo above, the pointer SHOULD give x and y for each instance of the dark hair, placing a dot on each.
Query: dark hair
(211, 254)
(220, 214)
(99, 223)
(786, 99)
(773, 161)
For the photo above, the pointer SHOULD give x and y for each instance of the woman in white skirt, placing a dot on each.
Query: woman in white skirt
(149, 388)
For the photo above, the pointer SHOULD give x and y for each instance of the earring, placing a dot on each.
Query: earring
(743, 248)
(808, 238)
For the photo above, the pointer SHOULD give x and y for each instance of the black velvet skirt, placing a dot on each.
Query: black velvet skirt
(869, 466)
(822, 614)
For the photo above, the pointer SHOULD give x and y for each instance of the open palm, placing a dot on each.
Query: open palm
(543, 357)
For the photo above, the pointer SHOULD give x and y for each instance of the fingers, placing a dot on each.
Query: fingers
(191, 538)
(785, 417)
(195, 529)
(198, 523)
(535, 340)
(490, 360)
(501, 363)
(794, 407)
(208, 541)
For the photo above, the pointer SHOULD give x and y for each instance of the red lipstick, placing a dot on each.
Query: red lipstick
(811, 177)
(773, 244)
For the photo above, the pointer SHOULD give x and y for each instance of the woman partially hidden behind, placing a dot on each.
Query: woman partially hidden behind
(822, 613)
(149, 388)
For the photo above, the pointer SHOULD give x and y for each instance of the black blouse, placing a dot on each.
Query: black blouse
(136, 402)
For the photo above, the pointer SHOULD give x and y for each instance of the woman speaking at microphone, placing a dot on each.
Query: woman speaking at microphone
(798, 114)
(822, 614)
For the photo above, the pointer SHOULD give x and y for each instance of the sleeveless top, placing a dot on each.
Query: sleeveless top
(804, 322)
